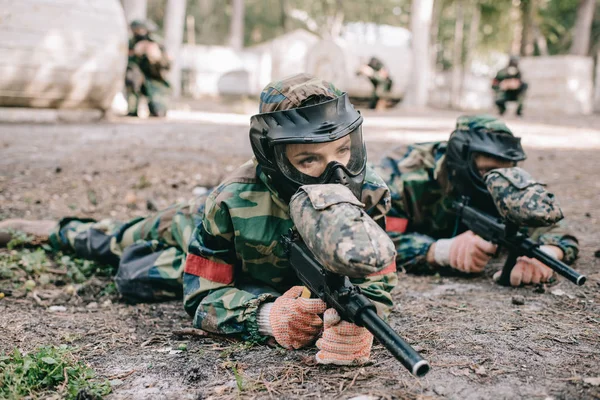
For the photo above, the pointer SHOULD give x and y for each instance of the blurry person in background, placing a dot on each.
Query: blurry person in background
(147, 69)
(379, 76)
(509, 86)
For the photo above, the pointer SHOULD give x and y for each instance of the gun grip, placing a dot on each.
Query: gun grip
(305, 293)
(507, 269)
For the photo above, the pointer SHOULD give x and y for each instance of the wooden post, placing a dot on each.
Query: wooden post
(174, 23)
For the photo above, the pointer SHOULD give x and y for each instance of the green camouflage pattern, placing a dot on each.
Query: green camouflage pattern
(418, 182)
(484, 122)
(334, 226)
(291, 91)
(144, 78)
(242, 229)
(522, 200)
(502, 96)
(150, 252)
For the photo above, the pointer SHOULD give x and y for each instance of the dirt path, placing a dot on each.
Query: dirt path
(480, 344)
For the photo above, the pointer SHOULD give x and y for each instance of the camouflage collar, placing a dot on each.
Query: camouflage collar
(267, 182)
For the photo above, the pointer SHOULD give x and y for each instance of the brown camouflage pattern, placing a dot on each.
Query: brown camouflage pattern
(521, 199)
(335, 227)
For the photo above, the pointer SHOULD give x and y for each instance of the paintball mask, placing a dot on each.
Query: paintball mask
(316, 144)
(479, 135)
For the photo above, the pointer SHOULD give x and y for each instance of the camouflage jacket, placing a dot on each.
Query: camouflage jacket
(237, 260)
(422, 208)
(152, 70)
(509, 72)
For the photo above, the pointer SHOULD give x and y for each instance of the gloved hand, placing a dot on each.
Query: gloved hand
(343, 343)
(294, 320)
(531, 271)
(466, 252)
(153, 52)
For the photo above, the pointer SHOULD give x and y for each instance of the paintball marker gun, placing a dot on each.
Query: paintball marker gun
(337, 292)
(507, 234)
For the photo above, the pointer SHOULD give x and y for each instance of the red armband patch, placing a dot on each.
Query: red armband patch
(207, 269)
(394, 224)
(390, 268)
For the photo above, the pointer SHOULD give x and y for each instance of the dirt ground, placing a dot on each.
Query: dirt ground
(480, 343)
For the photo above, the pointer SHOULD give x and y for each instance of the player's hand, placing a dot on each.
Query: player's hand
(140, 47)
(531, 271)
(343, 343)
(295, 320)
(466, 252)
(153, 52)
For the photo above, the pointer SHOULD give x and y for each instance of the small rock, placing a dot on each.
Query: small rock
(150, 206)
(518, 300)
(592, 381)
(106, 303)
(57, 308)
(58, 169)
(558, 292)
(199, 191)
(130, 199)
(481, 371)
(70, 290)
(92, 305)
(88, 178)
(597, 254)
(29, 285)
(587, 214)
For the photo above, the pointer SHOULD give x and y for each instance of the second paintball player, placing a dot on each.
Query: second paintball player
(146, 73)
(430, 176)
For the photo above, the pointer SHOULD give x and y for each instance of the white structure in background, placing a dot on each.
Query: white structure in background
(213, 70)
(67, 54)
(559, 84)
(338, 60)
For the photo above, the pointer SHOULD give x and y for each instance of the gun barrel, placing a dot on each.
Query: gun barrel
(560, 267)
(394, 343)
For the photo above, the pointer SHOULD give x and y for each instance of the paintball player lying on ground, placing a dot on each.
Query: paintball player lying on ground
(430, 176)
(236, 275)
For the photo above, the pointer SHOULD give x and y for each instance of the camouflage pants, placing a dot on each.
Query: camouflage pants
(381, 89)
(149, 252)
(502, 96)
(138, 84)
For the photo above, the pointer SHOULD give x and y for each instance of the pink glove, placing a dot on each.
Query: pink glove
(466, 252)
(343, 343)
(295, 320)
(531, 271)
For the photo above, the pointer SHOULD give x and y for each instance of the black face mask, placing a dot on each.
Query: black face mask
(270, 133)
(462, 170)
(138, 37)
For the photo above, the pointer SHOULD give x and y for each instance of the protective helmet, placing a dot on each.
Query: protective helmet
(482, 134)
(303, 109)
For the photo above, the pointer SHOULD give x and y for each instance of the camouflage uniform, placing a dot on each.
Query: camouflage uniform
(382, 85)
(148, 251)
(502, 96)
(237, 259)
(422, 208)
(147, 78)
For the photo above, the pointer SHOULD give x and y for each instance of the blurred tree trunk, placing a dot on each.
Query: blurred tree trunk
(583, 27)
(473, 33)
(420, 26)
(516, 20)
(457, 54)
(135, 9)
(174, 24)
(284, 19)
(236, 30)
(438, 6)
(540, 40)
(527, 13)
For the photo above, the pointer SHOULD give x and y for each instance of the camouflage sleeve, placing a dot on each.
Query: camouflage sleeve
(560, 236)
(411, 252)
(378, 288)
(209, 281)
